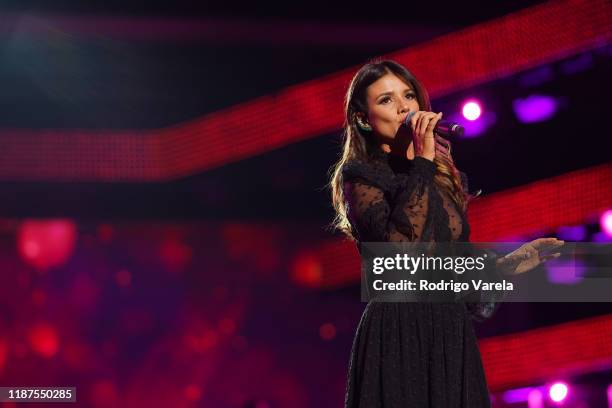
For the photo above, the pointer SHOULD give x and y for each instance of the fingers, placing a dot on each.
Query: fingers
(517, 257)
(546, 243)
(433, 122)
(551, 256)
(423, 123)
(414, 120)
(427, 124)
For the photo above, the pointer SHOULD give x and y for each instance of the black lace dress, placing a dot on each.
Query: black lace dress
(407, 354)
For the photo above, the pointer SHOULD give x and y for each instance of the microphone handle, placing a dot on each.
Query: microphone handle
(446, 128)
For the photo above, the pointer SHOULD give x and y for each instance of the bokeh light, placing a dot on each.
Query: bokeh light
(605, 221)
(535, 399)
(327, 331)
(535, 108)
(307, 270)
(471, 110)
(565, 271)
(43, 339)
(572, 233)
(558, 392)
(46, 243)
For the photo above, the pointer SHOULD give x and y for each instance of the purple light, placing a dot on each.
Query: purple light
(601, 237)
(535, 108)
(572, 233)
(565, 272)
(558, 392)
(605, 221)
(471, 110)
(609, 396)
(517, 395)
(535, 399)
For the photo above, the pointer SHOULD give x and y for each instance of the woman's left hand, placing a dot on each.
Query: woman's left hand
(529, 255)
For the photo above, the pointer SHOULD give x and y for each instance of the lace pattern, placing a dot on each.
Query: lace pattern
(390, 200)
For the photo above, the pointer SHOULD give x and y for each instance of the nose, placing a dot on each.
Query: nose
(404, 106)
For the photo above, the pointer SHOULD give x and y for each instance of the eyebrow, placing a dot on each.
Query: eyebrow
(390, 92)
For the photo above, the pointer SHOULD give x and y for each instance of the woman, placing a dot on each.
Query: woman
(398, 183)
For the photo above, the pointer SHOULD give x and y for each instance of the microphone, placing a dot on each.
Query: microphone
(443, 127)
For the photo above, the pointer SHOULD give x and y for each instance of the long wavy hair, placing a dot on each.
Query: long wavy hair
(357, 144)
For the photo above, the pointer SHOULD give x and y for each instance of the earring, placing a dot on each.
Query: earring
(363, 126)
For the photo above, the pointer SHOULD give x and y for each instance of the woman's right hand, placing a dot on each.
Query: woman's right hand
(422, 125)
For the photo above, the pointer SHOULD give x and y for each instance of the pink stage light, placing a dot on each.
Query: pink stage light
(606, 222)
(535, 399)
(601, 237)
(471, 110)
(44, 339)
(535, 108)
(565, 271)
(45, 244)
(558, 392)
(572, 232)
(518, 395)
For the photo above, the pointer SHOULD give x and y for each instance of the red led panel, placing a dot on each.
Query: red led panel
(449, 63)
(568, 199)
(59, 155)
(549, 353)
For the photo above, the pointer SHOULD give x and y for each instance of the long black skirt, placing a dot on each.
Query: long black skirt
(421, 355)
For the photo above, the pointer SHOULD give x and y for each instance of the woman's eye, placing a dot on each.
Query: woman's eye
(410, 95)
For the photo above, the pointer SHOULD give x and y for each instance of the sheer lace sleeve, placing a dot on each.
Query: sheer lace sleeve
(486, 304)
(376, 218)
(481, 309)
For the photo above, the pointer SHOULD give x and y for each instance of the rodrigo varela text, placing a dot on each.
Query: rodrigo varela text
(442, 285)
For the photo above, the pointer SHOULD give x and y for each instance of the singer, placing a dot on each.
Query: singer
(399, 183)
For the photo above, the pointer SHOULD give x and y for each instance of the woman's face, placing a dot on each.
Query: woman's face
(389, 101)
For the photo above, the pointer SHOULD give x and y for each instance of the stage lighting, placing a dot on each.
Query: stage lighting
(471, 110)
(45, 244)
(601, 237)
(572, 233)
(605, 221)
(327, 331)
(558, 392)
(535, 108)
(565, 272)
(517, 395)
(535, 399)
